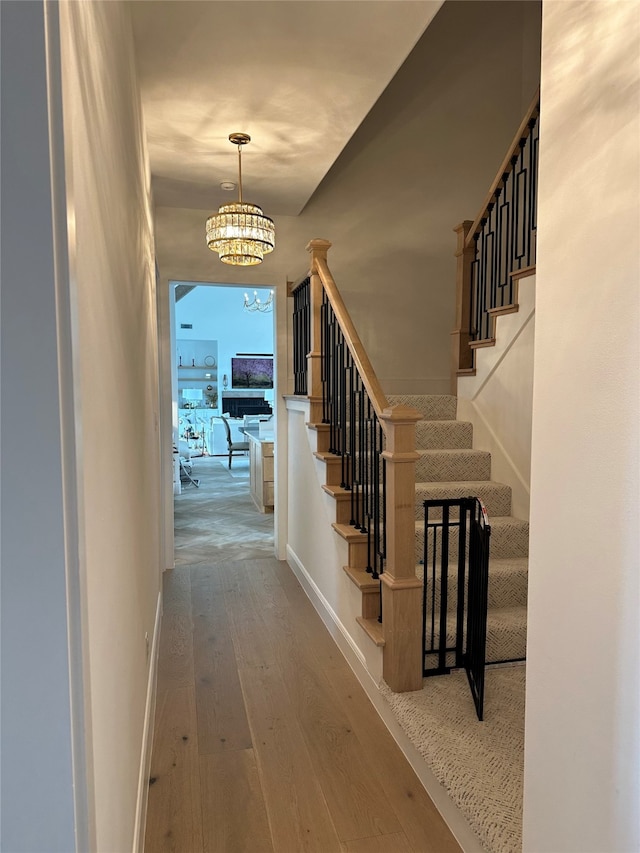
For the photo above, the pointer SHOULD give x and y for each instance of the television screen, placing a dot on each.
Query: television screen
(252, 372)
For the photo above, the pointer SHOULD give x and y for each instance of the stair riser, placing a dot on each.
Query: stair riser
(503, 643)
(496, 497)
(454, 466)
(506, 589)
(510, 539)
(434, 407)
(441, 435)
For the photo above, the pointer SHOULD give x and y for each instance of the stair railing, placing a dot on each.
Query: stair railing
(356, 435)
(497, 248)
(377, 447)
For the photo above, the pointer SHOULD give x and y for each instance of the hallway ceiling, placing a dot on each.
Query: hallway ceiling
(298, 75)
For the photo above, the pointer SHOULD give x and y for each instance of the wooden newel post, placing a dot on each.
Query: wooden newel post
(461, 353)
(401, 589)
(318, 249)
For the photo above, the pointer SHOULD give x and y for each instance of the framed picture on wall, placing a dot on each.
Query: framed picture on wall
(252, 373)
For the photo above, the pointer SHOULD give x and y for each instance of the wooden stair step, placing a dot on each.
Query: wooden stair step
(372, 628)
(369, 590)
(333, 466)
(363, 579)
(349, 533)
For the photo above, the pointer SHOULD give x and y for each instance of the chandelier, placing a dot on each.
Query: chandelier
(256, 304)
(239, 232)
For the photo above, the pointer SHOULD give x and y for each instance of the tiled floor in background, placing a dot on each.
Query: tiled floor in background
(218, 520)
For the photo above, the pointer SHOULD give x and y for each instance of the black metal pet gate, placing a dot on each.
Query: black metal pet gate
(456, 580)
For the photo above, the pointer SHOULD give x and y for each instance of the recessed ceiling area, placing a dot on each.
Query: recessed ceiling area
(298, 76)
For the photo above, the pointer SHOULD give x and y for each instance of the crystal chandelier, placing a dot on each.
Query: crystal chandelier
(256, 304)
(239, 232)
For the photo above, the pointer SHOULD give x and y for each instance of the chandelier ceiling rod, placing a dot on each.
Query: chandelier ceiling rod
(239, 139)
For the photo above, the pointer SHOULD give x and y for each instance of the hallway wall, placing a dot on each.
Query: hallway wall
(116, 375)
(39, 618)
(582, 738)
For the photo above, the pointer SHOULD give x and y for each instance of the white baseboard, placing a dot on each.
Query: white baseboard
(147, 736)
(450, 813)
(324, 609)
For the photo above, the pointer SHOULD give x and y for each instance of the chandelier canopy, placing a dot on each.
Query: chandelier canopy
(239, 232)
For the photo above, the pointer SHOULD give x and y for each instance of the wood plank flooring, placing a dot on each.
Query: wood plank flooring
(264, 739)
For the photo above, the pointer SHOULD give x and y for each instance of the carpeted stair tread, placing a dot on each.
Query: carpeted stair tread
(434, 407)
(509, 538)
(441, 435)
(453, 465)
(495, 496)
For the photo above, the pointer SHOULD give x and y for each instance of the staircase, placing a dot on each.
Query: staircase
(448, 467)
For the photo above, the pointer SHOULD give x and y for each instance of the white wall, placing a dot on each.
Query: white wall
(40, 673)
(314, 550)
(498, 400)
(582, 744)
(115, 372)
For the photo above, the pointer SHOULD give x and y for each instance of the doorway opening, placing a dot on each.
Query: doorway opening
(223, 422)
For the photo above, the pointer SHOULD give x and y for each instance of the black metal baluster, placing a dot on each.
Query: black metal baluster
(492, 277)
(384, 503)
(351, 450)
(533, 189)
(335, 369)
(473, 295)
(342, 409)
(513, 228)
(356, 494)
(324, 356)
(520, 178)
(375, 498)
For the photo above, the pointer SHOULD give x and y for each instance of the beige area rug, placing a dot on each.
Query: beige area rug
(239, 465)
(480, 764)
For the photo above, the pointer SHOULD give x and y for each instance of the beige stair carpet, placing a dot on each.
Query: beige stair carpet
(479, 764)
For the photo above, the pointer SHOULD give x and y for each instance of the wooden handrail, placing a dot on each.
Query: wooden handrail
(392, 444)
(506, 167)
(358, 352)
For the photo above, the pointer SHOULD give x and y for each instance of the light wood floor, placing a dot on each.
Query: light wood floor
(264, 740)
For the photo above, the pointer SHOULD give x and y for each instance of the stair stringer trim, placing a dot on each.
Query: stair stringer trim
(316, 553)
(472, 398)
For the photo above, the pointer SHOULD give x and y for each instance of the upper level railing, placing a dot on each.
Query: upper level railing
(301, 333)
(376, 446)
(498, 247)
